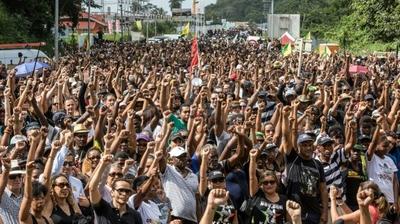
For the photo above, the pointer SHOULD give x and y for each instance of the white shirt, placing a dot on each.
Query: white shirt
(381, 171)
(149, 211)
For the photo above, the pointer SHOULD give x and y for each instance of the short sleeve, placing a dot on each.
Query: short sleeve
(100, 207)
(321, 172)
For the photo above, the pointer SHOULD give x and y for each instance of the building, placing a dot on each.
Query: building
(97, 24)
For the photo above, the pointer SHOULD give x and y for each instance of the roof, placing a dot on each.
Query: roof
(22, 45)
(286, 38)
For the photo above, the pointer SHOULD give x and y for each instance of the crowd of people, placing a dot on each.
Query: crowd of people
(133, 134)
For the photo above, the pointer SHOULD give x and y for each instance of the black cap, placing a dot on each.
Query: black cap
(139, 181)
(215, 175)
(324, 140)
(271, 146)
(32, 125)
(369, 97)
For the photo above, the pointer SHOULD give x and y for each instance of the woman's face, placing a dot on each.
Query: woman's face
(94, 158)
(38, 203)
(61, 187)
(269, 185)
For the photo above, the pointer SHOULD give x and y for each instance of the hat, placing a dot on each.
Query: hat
(304, 138)
(15, 168)
(58, 117)
(364, 137)
(80, 128)
(369, 97)
(303, 99)
(277, 64)
(262, 94)
(18, 138)
(139, 181)
(345, 96)
(142, 136)
(290, 92)
(176, 135)
(358, 147)
(271, 146)
(215, 175)
(32, 125)
(177, 151)
(259, 134)
(324, 140)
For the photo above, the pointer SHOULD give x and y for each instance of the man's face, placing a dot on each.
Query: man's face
(70, 107)
(110, 100)
(269, 132)
(121, 192)
(115, 173)
(14, 182)
(185, 114)
(326, 150)
(181, 161)
(213, 159)
(80, 139)
(306, 149)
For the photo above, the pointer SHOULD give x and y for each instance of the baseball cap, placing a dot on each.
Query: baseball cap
(58, 117)
(18, 138)
(369, 97)
(177, 151)
(290, 92)
(304, 138)
(80, 128)
(142, 136)
(216, 174)
(270, 146)
(324, 140)
(32, 125)
(139, 181)
(15, 168)
(176, 136)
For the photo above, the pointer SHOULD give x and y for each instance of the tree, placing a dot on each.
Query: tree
(175, 4)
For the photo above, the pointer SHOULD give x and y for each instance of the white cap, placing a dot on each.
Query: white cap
(177, 151)
(18, 138)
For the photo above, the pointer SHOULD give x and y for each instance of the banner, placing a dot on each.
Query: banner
(110, 26)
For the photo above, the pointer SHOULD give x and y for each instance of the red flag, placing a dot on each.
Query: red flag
(195, 54)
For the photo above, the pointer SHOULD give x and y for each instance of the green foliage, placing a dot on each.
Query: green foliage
(359, 24)
(166, 27)
(175, 4)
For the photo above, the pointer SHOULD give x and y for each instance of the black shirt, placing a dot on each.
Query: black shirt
(106, 214)
(269, 212)
(303, 180)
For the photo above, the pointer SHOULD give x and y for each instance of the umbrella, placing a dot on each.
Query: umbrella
(25, 69)
(358, 69)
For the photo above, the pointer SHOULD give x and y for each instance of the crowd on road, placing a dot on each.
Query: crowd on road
(133, 134)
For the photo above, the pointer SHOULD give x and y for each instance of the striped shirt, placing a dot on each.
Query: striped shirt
(332, 172)
(9, 207)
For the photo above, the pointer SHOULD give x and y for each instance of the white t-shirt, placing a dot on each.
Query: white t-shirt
(382, 171)
(149, 211)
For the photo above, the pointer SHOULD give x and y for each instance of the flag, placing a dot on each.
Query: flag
(110, 26)
(117, 26)
(308, 36)
(327, 52)
(185, 30)
(139, 25)
(287, 50)
(194, 54)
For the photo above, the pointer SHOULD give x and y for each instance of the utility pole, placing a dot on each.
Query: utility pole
(56, 30)
(122, 24)
(88, 27)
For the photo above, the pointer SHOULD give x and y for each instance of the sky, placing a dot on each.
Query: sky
(160, 3)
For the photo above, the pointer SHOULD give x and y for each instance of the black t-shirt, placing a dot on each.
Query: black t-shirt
(303, 178)
(106, 214)
(269, 212)
(225, 214)
(353, 180)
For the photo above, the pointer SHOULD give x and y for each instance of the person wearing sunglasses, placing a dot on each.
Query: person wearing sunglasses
(10, 191)
(117, 211)
(268, 205)
(215, 179)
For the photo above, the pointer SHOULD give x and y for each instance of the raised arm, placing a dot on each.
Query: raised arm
(253, 180)
(24, 214)
(94, 192)
(286, 135)
(374, 142)
(215, 198)
(203, 171)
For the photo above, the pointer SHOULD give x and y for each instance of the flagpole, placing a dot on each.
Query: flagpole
(300, 57)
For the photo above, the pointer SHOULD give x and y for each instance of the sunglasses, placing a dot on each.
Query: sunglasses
(68, 163)
(268, 182)
(119, 175)
(218, 180)
(94, 157)
(13, 177)
(62, 185)
(124, 190)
